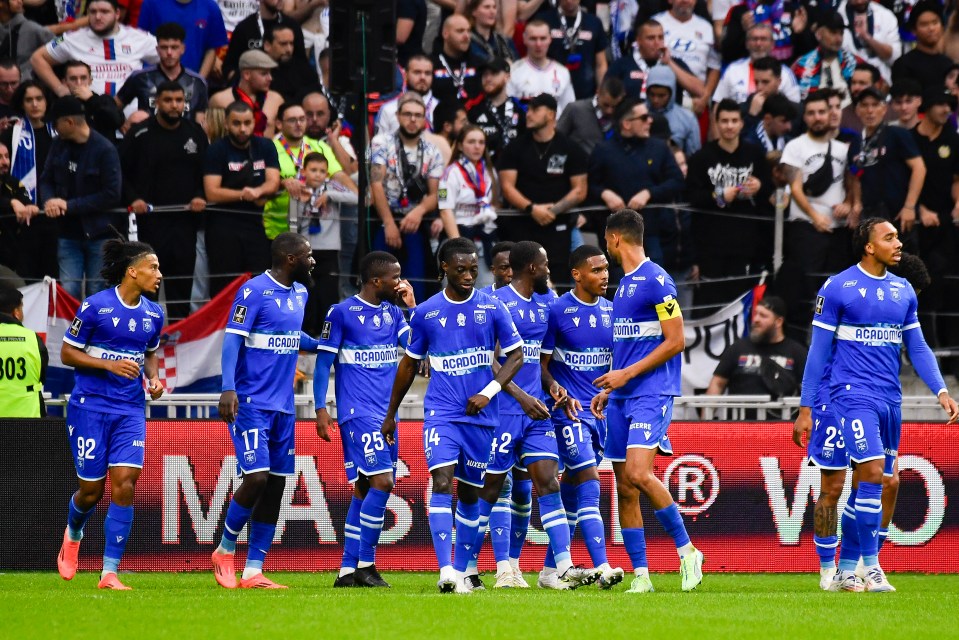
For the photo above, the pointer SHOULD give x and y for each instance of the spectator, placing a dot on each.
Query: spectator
(317, 211)
(683, 125)
(485, 41)
(253, 89)
(29, 141)
(16, 208)
(249, 33)
(419, 80)
(730, 176)
(739, 79)
(691, 39)
(536, 74)
(543, 174)
(467, 192)
(817, 237)
(925, 63)
(578, 42)
(142, 85)
(234, 11)
(871, 33)
(865, 75)
(291, 73)
(887, 163)
(21, 36)
(764, 363)
(501, 117)
(648, 51)
(775, 124)
(162, 161)
(201, 20)
(938, 214)
(80, 184)
(792, 28)
(768, 76)
(410, 26)
(103, 115)
(241, 173)
(292, 146)
(21, 394)
(404, 181)
(906, 99)
(454, 69)
(9, 81)
(589, 121)
(828, 65)
(448, 120)
(113, 51)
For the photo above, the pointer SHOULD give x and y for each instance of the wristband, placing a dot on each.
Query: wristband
(491, 389)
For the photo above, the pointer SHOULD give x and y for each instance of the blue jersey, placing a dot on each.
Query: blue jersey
(365, 338)
(268, 315)
(867, 316)
(108, 329)
(645, 297)
(531, 316)
(460, 338)
(580, 337)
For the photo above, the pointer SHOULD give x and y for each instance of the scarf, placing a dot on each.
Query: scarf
(259, 118)
(23, 164)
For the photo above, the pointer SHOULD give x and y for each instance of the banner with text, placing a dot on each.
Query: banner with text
(745, 490)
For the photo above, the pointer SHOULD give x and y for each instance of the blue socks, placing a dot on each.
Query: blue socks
(521, 507)
(567, 493)
(849, 549)
(499, 524)
(372, 515)
(635, 542)
(351, 535)
(236, 519)
(484, 510)
(76, 520)
(672, 522)
(591, 522)
(883, 534)
(868, 517)
(826, 550)
(261, 537)
(467, 522)
(553, 516)
(441, 527)
(116, 531)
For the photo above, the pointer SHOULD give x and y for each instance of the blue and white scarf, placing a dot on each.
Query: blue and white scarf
(23, 164)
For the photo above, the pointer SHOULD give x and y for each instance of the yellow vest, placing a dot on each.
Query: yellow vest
(276, 211)
(19, 372)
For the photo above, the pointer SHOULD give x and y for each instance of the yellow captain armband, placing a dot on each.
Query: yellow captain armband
(668, 309)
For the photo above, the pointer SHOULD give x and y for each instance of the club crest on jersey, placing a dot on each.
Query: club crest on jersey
(630, 290)
(542, 315)
(894, 293)
(607, 322)
(880, 295)
(75, 327)
(479, 316)
(371, 459)
(827, 453)
(460, 320)
(592, 322)
(239, 314)
(576, 321)
(147, 325)
(376, 321)
(249, 457)
(861, 445)
(387, 318)
(132, 325)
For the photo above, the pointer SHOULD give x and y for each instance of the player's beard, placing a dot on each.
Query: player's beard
(541, 286)
(303, 276)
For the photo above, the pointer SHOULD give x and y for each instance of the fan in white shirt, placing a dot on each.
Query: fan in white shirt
(419, 79)
(738, 81)
(690, 39)
(536, 73)
(112, 51)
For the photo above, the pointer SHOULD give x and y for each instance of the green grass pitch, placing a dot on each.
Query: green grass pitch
(41, 605)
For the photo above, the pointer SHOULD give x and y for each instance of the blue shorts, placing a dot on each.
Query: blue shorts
(581, 442)
(100, 440)
(871, 429)
(468, 446)
(520, 441)
(264, 441)
(365, 450)
(826, 448)
(641, 422)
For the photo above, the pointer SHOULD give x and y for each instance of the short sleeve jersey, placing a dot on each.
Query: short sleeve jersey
(868, 316)
(268, 315)
(580, 339)
(460, 338)
(106, 328)
(645, 297)
(111, 60)
(531, 317)
(466, 190)
(365, 339)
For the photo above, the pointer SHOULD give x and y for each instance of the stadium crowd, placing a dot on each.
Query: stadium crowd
(207, 128)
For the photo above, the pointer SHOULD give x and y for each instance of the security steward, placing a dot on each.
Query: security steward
(23, 361)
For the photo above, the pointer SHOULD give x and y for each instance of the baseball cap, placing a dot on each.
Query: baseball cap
(495, 65)
(65, 106)
(870, 92)
(833, 22)
(543, 100)
(256, 59)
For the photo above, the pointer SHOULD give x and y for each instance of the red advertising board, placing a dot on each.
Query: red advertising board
(744, 488)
